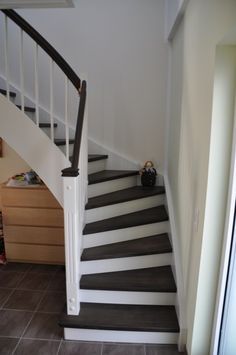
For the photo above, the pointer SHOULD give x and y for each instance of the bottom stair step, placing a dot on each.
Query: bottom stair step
(123, 318)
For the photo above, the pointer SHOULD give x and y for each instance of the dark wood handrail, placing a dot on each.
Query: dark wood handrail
(74, 170)
(46, 46)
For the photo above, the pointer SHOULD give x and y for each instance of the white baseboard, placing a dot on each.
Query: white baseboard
(176, 267)
(116, 160)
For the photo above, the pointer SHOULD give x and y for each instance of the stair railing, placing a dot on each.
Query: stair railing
(75, 176)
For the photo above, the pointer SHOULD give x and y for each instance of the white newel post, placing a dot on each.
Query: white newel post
(75, 194)
(72, 242)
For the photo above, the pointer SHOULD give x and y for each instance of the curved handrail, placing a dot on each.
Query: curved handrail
(73, 170)
(46, 46)
(71, 75)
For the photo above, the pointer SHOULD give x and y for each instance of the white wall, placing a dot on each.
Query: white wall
(120, 46)
(198, 188)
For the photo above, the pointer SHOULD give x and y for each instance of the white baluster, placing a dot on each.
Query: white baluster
(36, 83)
(51, 99)
(6, 57)
(66, 117)
(22, 71)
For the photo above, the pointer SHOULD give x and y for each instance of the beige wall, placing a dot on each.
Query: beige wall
(10, 164)
(195, 185)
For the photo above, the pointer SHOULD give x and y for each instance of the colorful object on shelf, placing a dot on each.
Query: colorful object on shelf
(25, 179)
(148, 174)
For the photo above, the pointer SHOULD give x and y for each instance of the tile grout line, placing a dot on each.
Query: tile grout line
(33, 314)
(59, 347)
(11, 293)
(19, 338)
(28, 310)
(144, 349)
(13, 289)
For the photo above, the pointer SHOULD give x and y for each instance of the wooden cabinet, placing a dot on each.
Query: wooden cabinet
(33, 225)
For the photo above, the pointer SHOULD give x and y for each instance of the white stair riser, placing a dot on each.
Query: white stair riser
(120, 336)
(111, 186)
(122, 264)
(97, 214)
(31, 115)
(96, 166)
(63, 149)
(120, 235)
(128, 297)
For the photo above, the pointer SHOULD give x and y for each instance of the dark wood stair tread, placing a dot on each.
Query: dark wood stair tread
(148, 216)
(60, 142)
(155, 279)
(107, 175)
(47, 125)
(96, 157)
(157, 244)
(123, 317)
(4, 92)
(132, 193)
(27, 108)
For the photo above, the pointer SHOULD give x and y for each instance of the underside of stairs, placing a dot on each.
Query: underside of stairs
(127, 288)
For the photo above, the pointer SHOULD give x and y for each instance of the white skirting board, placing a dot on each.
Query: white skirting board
(176, 268)
(116, 160)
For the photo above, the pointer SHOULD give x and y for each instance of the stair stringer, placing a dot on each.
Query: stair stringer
(44, 111)
(33, 146)
(180, 303)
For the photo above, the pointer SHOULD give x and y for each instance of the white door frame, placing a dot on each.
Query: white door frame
(226, 248)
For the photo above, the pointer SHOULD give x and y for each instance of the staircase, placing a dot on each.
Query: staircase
(127, 286)
(120, 284)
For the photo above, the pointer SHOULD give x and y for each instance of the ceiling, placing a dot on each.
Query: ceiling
(16, 4)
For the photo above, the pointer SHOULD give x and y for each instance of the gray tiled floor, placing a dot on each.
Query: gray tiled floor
(31, 299)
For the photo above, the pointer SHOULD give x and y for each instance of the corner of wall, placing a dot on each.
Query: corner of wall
(116, 161)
